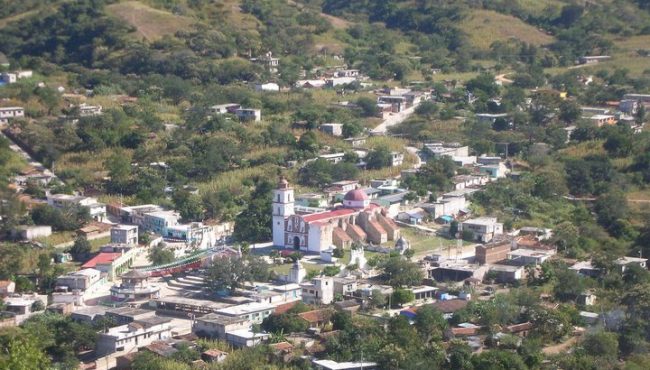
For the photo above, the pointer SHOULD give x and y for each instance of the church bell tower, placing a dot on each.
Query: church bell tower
(282, 209)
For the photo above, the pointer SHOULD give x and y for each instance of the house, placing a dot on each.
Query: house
(494, 167)
(268, 61)
(311, 200)
(28, 232)
(24, 305)
(346, 73)
(86, 110)
(507, 273)
(445, 206)
(396, 159)
(89, 315)
(623, 262)
(112, 263)
(345, 286)
(424, 292)
(224, 108)
(159, 221)
(334, 157)
(593, 59)
(586, 268)
(338, 81)
(356, 142)
(136, 334)
(10, 113)
(491, 117)
(334, 129)
(161, 348)
(216, 326)
(492, 252)
(319, 291)
(249, 114)
(282, 351)
(267, 87)
(333, 365)
(521, 330)
(81, 280)
(245, 338)
(254, 312)
(311, 84)
(446, 149)
(602, 119)
(484, 229)
(587, 298)
(97, 210)
(317, 318)
(525, 257)
(124, 234)
(214, 355)
(414, 216)
(7, 287)
(396, 103)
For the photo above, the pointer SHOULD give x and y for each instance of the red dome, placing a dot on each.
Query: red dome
(356, 195)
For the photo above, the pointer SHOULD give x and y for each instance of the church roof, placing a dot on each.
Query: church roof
(328, 215)
(356, 195)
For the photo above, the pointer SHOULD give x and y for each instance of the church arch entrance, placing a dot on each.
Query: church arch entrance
(296, 242)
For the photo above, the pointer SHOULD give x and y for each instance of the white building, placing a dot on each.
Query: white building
(9, 113)
(334, 129)
(97, 210)
(267, 87)
(483, 228)
(31, 232)
(249, 114)
(124, 234)
(320, 291)
(216, 326)
(86, 110)
(254, 312)
(224, 108)
(134, 335)
(396, 159)
(79, 280)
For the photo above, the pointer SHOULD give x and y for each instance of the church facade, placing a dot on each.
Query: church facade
(357, 220)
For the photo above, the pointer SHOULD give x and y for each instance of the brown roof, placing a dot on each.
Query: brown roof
(5, 283)
(517, 328)
(451, 305)
(341, 234)
(214, 353)
(161, 349)
(282, 346)
(284, 308)
(316, 315)
(464, 331)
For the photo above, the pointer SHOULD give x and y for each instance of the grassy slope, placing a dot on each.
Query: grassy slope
(151, 24)
(485, 27)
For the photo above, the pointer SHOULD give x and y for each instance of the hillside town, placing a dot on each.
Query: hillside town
(323, 186)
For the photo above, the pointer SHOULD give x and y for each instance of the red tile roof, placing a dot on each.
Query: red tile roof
(517, 328)
(282, 346)
(101, 258)
(450, 306)
(328, 215)
(316, 316)
(465, 331)
(284, 308)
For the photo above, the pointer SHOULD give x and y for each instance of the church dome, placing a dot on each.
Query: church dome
(356, 195)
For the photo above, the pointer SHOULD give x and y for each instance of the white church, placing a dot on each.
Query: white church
(357, 220)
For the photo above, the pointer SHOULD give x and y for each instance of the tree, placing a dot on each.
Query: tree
(430, 324)
(610, 207)
(498, 359)
(189, 205)
(352, 129)
(368, 106)
(569, 111)
(231, 272)
(459, 356)
(254, 223)
(601, 344)
(81, 248)
(377, 299)
(161, 255)
(21, 351)
(378, 158)
(401, 296)
(399, 272)
(285, 323)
